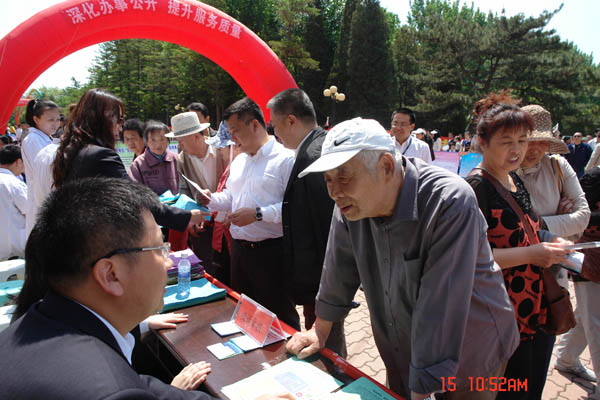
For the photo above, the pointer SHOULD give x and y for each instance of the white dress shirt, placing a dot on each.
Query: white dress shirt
(413, 147)
(301, 143)
(126, 343)
(257, 181)
(40, 183)
(13, 203)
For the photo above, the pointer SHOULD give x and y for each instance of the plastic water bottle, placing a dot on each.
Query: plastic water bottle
(183, 278)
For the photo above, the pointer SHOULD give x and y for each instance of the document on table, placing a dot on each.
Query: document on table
(225, 328)
(300, 378)
(245, 343)
(224, 350)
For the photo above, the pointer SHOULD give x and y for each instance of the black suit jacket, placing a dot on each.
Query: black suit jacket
(59, 350)
(306, 217)
(93, 160)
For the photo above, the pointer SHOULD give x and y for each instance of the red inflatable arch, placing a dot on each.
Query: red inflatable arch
(60, 30)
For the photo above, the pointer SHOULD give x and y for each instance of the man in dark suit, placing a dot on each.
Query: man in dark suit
(100, 254)
(307, 207)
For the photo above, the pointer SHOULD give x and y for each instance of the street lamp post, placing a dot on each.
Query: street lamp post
(335, 96)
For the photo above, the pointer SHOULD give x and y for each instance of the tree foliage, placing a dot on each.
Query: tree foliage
(372, 84)
(459, 54)
(440, 62)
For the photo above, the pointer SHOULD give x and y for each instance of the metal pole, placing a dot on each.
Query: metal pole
(333, 101)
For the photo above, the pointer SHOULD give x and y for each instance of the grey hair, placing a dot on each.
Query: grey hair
(369, 158)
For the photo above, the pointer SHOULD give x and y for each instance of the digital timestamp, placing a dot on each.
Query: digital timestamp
(487, 384)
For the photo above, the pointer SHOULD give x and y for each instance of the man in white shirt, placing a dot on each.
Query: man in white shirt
(403, 122)
(254, 194)
(13, 203)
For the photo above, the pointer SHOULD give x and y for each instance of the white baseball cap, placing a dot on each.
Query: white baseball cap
(346, 140)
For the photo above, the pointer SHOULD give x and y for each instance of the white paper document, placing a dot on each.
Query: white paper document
(224, 350)
(195, 185)
(225, 328)
(246, 343)
(300, 378)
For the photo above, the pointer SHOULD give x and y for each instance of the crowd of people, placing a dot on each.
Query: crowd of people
(301, 216)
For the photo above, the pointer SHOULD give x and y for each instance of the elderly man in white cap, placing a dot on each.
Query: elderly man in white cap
(413, 235)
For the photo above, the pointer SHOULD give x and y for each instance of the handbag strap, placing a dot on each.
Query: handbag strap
(533, 239)
(558, 173)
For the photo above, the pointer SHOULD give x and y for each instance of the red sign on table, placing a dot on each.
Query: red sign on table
(257, 322)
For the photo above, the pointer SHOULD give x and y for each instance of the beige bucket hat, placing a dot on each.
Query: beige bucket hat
(186, 124)
(542, 131)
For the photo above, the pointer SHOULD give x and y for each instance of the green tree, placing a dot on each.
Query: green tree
(319, 44)
(290, 48)
(463, 54)
(372, 84)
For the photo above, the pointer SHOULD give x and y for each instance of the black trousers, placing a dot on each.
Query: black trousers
(222, 263)
(257, 272)
(201, 245)
(530, 361)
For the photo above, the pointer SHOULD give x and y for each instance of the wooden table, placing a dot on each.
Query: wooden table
(176, 348)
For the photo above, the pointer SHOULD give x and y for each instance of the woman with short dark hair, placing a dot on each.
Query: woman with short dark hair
(502, 131)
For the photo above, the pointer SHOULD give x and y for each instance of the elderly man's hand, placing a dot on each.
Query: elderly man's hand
(304, 344)
(243, 216)
(203, 197)
(192, 376)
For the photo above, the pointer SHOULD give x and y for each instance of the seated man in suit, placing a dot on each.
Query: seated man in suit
(97, 248)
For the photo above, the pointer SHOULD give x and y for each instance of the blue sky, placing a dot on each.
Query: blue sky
(576, 22)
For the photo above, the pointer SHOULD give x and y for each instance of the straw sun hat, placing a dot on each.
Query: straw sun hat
(542, 131)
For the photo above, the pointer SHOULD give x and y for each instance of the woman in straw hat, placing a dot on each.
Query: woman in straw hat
(552, 184)
(556, 196)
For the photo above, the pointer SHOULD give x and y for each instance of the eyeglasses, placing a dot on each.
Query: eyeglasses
(165, 248)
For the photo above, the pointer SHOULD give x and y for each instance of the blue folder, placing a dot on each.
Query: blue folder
(201, 291)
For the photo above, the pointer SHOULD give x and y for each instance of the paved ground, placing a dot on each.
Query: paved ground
(363, 354)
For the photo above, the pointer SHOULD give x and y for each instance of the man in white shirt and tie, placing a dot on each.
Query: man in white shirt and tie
(253, 196)
(403, 123)
(13, 203)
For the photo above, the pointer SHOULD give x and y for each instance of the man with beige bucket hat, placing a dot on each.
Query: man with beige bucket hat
(201, 163)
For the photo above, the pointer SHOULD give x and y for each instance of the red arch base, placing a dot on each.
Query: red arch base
(60, 30)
